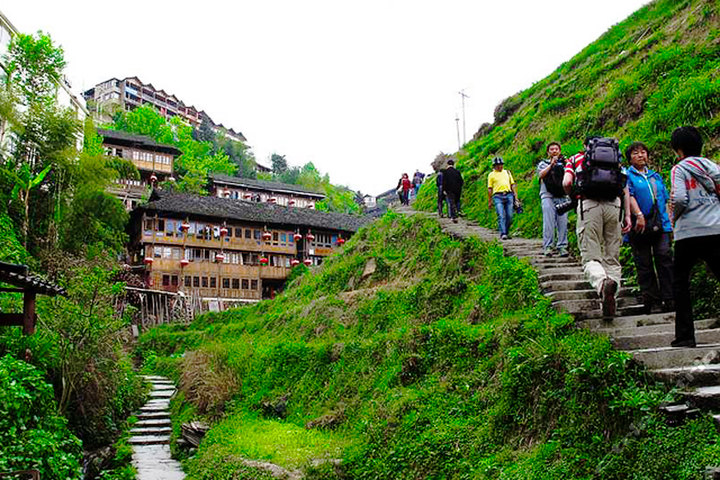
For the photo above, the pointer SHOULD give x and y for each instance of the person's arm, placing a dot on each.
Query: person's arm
(627, 224)
(568, 180)
(490, 194)
(542, 173)
(639, 217)
(679, 198)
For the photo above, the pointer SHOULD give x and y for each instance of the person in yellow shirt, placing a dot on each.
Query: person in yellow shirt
(502, 192)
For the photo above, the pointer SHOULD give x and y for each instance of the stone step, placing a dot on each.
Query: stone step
(592, 304)
(628, 321)
(158, 384)
(138, 431)
(162, 393)
(154, 377)
(153, 415)
(564, 285)
(669, 357)
(663, 339)
(585, 294)
(558, 261)
(706, 398)
(623, 310)
(542, 271)
(565, 276)
(694, 376)
(668, 327)
(154, 407)
(159, 422)
(149, 440)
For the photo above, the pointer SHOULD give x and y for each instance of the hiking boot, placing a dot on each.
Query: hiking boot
(454, 220)
(563, 252)
(607, 294)
(548, 252)
(503, 237)
(689, 343)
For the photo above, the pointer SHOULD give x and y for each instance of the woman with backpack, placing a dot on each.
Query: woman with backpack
(403, 189)
(650, 236)
(551, 171)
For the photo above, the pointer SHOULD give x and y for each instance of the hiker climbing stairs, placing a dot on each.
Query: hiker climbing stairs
(151, 434)
(647, 337)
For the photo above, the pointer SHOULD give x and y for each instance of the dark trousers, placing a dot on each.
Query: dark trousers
(441, 200)
(654, 264)
(453, 201)
(688, 252)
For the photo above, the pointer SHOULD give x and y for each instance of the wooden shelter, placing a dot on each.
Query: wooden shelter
(30, 286)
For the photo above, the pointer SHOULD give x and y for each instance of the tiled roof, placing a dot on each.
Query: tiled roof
(18, 276)
(139, 141)
(221, 209)
(263, 185)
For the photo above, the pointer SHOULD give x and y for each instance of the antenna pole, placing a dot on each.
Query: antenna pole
(463, 96)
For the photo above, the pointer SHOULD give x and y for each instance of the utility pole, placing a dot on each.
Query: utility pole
(463, 96)
(457, 129)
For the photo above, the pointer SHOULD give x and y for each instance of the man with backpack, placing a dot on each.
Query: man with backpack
(596, 177)
(695, 202)
(551, 172)
(452, 186)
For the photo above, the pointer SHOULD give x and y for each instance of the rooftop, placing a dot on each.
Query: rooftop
(263, 185)
(18, 276)
(118, 137)
(165, 202)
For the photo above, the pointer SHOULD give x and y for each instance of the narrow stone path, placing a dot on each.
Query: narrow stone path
(695, 371)
(151, 435)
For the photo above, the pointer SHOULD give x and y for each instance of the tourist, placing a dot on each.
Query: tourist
(403, 189)
(551, 171)
(417, 181)
(440, 192)
(598, 181)
(452, 186)
(695, 203)
(650, 236)
(502, 192)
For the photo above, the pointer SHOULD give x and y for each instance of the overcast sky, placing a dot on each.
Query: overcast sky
(365, 90)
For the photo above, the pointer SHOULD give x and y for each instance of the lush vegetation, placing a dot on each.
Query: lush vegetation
(442, 361)
(70, 386)
(653, 72)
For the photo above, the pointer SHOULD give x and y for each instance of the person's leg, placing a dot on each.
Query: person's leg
(711, 253)
(611, 240)
(549, 218)
(642, 255)
(452, 213)
(662, 254)
(562, 231)
(589, 232)
(500, 210)
(440, 201)
(509, 211)
(686, 255)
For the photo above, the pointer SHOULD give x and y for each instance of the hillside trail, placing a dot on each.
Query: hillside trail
(694, 371)
(151, 435)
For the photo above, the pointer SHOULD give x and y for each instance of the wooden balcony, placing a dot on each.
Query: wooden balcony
(231, 270)
(275, 273)
(230, 243)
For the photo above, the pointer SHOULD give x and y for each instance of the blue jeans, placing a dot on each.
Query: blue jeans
(551, 222)
(504, 203)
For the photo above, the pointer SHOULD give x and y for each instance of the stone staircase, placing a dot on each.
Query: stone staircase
(151, 435)
(694, 371)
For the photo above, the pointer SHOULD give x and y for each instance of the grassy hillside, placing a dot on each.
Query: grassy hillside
(444, 362)
(657, 70)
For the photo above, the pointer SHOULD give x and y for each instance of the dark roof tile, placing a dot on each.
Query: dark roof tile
(263, 184)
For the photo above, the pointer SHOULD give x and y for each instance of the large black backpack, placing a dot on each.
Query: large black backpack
(554, 179)
(601, 177)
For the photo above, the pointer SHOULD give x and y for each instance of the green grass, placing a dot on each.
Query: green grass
(446, 362)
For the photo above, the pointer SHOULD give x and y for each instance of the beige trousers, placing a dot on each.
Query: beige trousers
(599, 237)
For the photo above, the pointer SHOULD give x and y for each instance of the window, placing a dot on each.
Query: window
(188, 281)
(257, 235)
(238, 232)
(166, 280)
(248, 233)
(291, 238)
(200, 229)
(196, 282)
(148, 226)
(174, 280)
(235, 258)
(253, 284)
(157, 252)
(236, 284)
(225, 282)
(213, 282)
(167, 252)
(207, 255)
(230, 231)
(275, 238)
(245, 284)
(176, 253)
(170, 228)
(283, 239)
(161, 225)
(205, 282)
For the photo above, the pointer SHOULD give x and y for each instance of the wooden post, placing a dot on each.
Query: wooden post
(29, 313)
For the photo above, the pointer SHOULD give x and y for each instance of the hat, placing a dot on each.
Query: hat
(498, 161)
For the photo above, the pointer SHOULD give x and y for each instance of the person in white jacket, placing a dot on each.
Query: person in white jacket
(695, 200)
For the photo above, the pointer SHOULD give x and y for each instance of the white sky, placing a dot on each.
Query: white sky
(365, 90)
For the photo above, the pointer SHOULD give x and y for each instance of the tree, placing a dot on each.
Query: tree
(35, 65)
(279, 163)
(25, 181)
(205, 132)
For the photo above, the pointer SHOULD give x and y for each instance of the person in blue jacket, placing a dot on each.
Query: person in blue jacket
(650, 236)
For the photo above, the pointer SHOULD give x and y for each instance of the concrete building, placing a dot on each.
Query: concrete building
(113, 95)
(155, 162)
(223, 251)
(263, 191)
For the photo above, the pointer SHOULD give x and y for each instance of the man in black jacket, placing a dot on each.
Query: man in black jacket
(452, 185)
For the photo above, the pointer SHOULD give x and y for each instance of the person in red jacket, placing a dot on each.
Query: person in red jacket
(403, 189)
